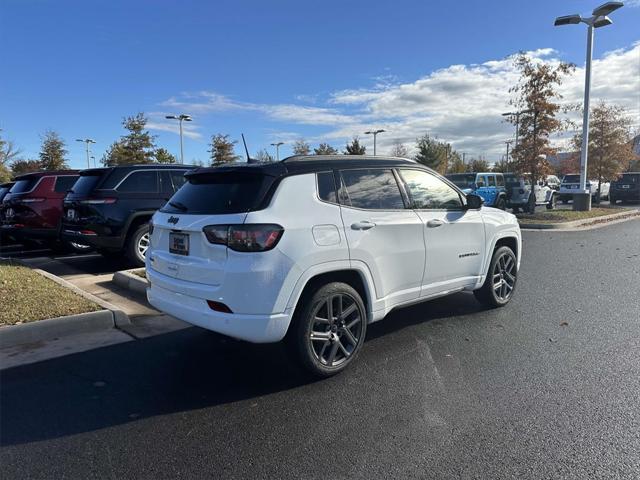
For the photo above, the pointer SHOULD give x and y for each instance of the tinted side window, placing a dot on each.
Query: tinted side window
(63, 184)
(491, 180)
(140, 182)
(429, 192)
(178, 178)
(500, 180)
(373, 189)
(327, 187)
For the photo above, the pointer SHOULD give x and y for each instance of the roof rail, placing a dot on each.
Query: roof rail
(322, 158)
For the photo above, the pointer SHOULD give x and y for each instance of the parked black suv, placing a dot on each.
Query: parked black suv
(109, 208)
(626, 188)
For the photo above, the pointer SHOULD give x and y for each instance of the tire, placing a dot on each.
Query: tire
(137, 245)
(552, 203)
(501, 203)
(326, 346)
(501, 280)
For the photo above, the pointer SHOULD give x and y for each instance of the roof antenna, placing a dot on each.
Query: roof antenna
(249, 159)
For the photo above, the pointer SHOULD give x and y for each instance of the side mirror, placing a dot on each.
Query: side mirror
(474, 202)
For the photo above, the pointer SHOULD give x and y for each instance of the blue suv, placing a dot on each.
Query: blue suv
(489, 185)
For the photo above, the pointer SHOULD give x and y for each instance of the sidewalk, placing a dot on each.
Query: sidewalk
(87, 273)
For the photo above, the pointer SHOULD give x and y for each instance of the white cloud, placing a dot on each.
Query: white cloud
(461, 104)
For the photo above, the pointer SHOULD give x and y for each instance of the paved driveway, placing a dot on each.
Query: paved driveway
(548, 387)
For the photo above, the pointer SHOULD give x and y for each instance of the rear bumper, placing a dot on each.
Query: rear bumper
(28, 233)
(625, 194)
(95, 241)
(267, 328)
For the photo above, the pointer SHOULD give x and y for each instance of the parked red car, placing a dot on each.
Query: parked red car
(32, 209)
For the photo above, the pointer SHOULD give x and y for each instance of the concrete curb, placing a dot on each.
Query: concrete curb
(580, 223)
(48, 329)
(130, 281)
(52, 328)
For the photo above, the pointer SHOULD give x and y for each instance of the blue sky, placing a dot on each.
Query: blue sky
(281, 70)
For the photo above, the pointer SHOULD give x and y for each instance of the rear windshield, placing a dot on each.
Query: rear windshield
(24, 185)
(85, 184)
(571, 179)
(463, 180)
(629, 178)
(512, 180)
(220, 193)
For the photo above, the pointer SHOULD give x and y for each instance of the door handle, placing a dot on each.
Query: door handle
(435, 223)
(363, 225)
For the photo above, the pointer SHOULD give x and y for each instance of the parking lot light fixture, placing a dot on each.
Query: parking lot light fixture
(181, 118)
(375, 134)
(598, 19)
(87, 142)
(277, 145)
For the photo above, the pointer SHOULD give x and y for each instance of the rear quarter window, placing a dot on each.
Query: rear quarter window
(144, 181)
(327, 187)
(65, 183)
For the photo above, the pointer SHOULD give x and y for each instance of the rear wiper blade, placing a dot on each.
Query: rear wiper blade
(179, 206)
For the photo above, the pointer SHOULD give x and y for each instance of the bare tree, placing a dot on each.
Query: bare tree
(264, 156)
(399, 150)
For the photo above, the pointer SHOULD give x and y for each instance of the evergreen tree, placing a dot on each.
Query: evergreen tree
(222, 149)
(300, 147)
(52, 152)
(432, 153)
(325, 149)
(354, 147)
(163, 156)
(137, 147)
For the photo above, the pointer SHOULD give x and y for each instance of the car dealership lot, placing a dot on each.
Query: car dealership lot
(546, 387)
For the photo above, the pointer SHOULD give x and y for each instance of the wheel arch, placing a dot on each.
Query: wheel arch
(135, 220)
(360, 280)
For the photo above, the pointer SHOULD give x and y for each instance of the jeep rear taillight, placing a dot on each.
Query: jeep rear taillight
(245, 238)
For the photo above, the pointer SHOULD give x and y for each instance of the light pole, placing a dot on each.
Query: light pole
(182, 117)
(517, 115)
(277, 145)
(87, 141)
(506, 159)
(375, 134)
(598, 19)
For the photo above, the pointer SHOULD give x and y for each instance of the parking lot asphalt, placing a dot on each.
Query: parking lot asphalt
(547, 387)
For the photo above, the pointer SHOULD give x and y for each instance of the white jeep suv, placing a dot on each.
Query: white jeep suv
(313, 248)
